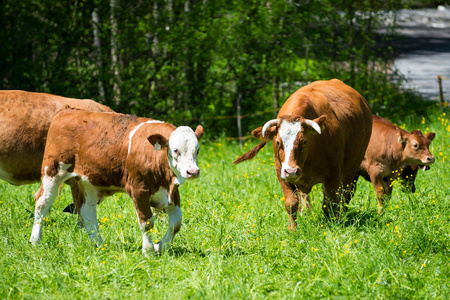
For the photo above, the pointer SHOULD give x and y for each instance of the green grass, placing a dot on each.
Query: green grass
(234, 243)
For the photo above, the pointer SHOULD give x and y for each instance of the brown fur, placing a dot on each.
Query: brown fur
(391, 155)
(96, 145)
(25, 118)
(332, 157)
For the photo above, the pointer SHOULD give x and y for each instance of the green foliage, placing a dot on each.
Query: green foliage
(234, 242)
(191, 62)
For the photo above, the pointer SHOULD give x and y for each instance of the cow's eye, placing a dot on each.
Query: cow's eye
(279, 145)
(415, 145)
(176, 151)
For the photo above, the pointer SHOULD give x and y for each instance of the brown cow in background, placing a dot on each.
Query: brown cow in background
(319, 136)
(393, 153)
(24, 121)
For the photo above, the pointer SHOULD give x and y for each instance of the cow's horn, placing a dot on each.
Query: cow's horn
(314, 125)
(268, 125)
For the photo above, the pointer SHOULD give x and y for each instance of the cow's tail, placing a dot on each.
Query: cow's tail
(250, 154)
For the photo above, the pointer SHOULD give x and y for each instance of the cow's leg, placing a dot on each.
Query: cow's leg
(145, 217)
(348, 190)
(380, 190)
(175, 217)
(408, 175)
(78, 197)
(389, 184)
(291, 202)
(45, 197)
(354, 185)
(305, 202)
(332, 200)
(87, 210)
(74, 188)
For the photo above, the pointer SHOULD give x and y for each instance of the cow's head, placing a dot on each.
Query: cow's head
(182, 150)
(290, 136)
(416, 147)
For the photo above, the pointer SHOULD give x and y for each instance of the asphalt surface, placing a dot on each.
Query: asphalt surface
(424, 50)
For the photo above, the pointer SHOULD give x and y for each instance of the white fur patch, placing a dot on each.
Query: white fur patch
(184, 140)
(43, 205)
(161, 198)
(288, 133)
(136, 128)
(175, 218)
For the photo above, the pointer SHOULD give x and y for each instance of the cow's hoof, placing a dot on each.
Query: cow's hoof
(158, 248)
(35, 241)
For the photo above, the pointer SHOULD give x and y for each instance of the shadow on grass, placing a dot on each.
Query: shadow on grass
(177, 251)
(360, 218)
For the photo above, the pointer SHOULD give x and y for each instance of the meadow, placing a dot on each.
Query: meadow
(235, 242)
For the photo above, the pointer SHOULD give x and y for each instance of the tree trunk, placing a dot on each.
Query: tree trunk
(114, 56)
(276, 95)
(98, 54)
(239, 117)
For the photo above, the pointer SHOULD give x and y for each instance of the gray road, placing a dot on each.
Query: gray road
(422, 68)
(425, 51)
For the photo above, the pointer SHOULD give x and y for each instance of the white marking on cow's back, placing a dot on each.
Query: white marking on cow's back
(288, 133)
(136, 128)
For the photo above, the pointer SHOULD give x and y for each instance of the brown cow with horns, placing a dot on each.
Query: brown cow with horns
(319, 136)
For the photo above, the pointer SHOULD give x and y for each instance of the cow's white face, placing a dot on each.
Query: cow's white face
(183, 153)
(290, 135)
(287, 142)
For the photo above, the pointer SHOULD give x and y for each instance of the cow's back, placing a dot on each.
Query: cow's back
(101, 146)
(25, 118)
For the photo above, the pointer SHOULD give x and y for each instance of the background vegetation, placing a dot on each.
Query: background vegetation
(195, 61)
(234, 242)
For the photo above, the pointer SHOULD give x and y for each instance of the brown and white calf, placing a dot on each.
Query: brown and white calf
(24, 121)
(393, 153)
(319, 136)
(106, 153)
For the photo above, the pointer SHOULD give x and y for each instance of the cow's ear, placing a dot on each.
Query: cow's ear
(199, 132)
(257, 133)
(430, 136)
(321, 121)
(402, 138)
(158, 141)
(271, 132)
(315, 126)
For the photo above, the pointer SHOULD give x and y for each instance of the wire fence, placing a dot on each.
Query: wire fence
(257, 113)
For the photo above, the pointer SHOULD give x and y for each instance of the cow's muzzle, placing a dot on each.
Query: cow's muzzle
(291, 173)
(193, 173)
(429, 160)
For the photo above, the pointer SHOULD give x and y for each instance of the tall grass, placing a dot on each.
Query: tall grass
(235, 243)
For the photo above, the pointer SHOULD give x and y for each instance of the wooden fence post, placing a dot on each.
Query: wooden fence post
(441, 91)
(239, 117)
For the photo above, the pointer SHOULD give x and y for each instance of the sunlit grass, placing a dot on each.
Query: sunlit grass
(234, 242)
